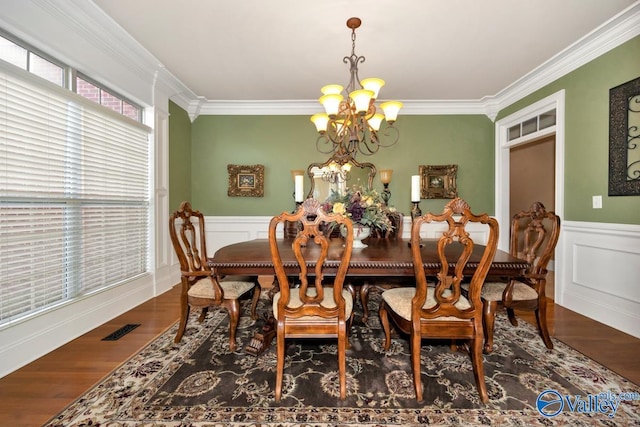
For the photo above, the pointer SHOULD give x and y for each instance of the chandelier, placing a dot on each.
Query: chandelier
(352, 123)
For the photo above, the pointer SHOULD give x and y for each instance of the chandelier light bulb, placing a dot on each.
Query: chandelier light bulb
(331, 90)
(373, 84)
(361, 99)
(391, 110)
(320, 120)
(331, 103)
(375, 121)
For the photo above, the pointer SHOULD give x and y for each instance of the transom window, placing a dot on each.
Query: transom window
(532, 125)
(27, 58)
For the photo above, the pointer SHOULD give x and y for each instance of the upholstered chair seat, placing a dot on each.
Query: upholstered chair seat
(492, 291)
(328, 301)
(233, 289)
(399, 300)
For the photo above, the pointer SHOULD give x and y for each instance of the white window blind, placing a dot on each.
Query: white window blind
(74, 196)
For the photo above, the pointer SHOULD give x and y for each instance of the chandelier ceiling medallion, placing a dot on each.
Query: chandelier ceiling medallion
(352, 123)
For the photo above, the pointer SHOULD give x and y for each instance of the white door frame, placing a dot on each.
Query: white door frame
(502, 149)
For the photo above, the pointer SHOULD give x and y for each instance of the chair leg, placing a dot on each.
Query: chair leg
(478, 368)
(489, 309)
(203, 314)
(280, 360)
(233, 306)
(342, 360)
(512, 316)
(254, 301)
(415, 363)
(541, 319)
(384, 320)
(184, 315)
(364, 300)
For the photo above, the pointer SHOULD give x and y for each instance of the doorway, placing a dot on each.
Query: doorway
(519, 137)
(532, 175)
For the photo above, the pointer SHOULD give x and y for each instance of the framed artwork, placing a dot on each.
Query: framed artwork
(246, 180)
(624, 139)
(438, 182)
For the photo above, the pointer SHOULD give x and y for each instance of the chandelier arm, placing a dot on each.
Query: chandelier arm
(367, 145)
(362, 137)
(324, 140)
(391, 136)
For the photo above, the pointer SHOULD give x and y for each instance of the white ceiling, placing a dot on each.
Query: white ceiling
(288, 49)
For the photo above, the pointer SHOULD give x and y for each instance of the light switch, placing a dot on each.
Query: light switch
(597, 202)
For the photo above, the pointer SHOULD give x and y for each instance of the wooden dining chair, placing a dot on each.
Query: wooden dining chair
(368, 284)
(315, 309)
(442, 311)
(200, 286)
(534, 235)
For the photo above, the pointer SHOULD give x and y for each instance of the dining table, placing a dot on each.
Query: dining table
(380, 258)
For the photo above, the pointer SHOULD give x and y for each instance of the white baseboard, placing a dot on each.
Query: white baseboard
(28, 339)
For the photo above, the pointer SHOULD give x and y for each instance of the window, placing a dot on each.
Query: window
(74, 193)
(531, 126)
(102, 96)
(31, 61)
(27, 58)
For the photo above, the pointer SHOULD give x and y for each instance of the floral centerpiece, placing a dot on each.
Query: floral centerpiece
(365, 208)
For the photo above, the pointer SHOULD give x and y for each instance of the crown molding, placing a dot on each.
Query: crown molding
(81, 26)
(309, 107)
(619, 29)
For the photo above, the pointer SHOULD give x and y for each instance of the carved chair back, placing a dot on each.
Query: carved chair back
(311, 248)
(534, 235)
(447, 289)
(187, 231)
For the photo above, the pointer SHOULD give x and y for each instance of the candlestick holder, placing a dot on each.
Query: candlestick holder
(386, 194)
(385, 178)
(415, 211)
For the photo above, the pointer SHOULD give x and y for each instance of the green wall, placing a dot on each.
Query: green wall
(587, 134)
(282, 143)
(179, 156)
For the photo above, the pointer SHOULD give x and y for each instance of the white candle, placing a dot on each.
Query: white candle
(415, 188)
(299, 188)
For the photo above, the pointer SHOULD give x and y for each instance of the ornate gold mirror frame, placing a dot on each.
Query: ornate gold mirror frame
(314, 171)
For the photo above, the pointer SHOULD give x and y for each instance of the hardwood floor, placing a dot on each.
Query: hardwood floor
(38, 391)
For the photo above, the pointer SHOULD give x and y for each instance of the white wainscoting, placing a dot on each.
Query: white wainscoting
(600, 275)
(226, 230)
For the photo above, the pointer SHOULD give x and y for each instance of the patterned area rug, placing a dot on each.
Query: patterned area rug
(198, 382)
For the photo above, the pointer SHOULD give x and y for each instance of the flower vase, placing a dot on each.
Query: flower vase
(360, 232)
